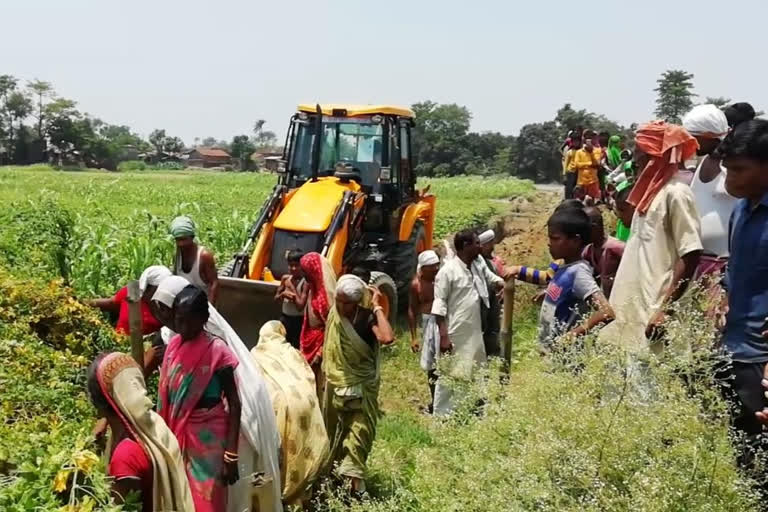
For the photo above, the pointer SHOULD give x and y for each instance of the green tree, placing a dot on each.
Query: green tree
(537, 152)
(42, 91)
(438, 137)
(157, 139)
(242, 148)
(718, 101)
(18, 106)
(675, 95)
(263, 140)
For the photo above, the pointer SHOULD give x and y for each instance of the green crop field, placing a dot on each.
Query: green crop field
(563, 433)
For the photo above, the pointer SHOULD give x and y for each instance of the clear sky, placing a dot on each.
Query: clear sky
(210, 68)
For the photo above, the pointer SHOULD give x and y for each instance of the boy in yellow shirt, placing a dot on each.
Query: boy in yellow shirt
(586, 162)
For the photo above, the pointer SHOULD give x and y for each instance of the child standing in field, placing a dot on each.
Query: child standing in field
(572, 291)
(292, 292)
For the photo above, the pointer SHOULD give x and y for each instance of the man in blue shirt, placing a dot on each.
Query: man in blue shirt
(745, 156)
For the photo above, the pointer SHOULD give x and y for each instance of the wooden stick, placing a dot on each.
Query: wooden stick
(134, 323)
(507, 330)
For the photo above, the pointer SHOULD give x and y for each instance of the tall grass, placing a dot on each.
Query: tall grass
(119, 221)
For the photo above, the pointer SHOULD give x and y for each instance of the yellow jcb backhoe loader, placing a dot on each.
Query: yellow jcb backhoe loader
(346, 189)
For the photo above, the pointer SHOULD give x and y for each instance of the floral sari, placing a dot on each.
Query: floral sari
(187, 371)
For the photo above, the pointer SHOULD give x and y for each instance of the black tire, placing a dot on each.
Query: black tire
(387, 287)
(406, 258)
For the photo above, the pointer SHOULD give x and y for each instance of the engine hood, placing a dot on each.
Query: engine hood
(311, 207)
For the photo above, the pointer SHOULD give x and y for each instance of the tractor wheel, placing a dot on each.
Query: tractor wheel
(388, 290)
(407, 257)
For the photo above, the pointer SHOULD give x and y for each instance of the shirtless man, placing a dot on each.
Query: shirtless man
(422, 293)
(194, 262)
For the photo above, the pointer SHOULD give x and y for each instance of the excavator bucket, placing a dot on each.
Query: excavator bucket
(247, 304)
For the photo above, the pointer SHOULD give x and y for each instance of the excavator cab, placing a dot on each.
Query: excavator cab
(346, 189)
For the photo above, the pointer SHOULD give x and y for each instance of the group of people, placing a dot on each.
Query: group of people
(235, 429)
(238, 430)
(674, 228)
(708, 226)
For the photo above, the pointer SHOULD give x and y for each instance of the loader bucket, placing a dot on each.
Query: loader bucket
(247, 304)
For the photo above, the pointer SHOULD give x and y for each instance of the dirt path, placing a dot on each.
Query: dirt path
(525, 228)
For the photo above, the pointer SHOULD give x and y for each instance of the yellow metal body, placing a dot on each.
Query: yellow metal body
(424, 211)
(358, 110)
(312, 206)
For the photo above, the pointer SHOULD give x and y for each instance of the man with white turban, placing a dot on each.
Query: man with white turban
(421, 295)
(356, 326)
(709, 125)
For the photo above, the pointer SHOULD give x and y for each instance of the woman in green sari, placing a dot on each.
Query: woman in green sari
(356, 325)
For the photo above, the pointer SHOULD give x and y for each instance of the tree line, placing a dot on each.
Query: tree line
(444, 145)
(37, 125)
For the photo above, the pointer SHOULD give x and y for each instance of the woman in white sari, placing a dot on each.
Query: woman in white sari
(258, 462)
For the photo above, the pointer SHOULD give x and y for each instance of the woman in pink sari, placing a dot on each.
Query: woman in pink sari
(199, 402)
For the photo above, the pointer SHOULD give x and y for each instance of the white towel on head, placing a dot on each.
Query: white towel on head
(486, 236)
(706, 120)
(427, 258)
(152, 276)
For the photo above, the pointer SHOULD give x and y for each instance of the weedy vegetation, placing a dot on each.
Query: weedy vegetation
(564, 433)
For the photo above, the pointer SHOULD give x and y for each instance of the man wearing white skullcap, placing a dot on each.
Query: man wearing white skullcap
(490, 309)
(709, 125)
(421, 295)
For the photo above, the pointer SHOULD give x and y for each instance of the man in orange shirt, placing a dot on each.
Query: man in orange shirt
(586, 163)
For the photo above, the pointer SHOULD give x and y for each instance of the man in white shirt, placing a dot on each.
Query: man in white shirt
(459, 288)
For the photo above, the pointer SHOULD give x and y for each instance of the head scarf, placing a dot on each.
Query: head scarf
(352, 287)
(706, 121)
(271, 332)
(613, 152)
(152, 277)
(182, 227)
(291, 385)
(667, 145)
(486, 236)
(168, 289)
(427, 258)
(122, 383)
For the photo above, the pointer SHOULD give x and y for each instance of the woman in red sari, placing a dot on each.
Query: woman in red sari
(200, 403)
(321, 280)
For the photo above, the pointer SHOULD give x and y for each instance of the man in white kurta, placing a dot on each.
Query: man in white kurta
(459, 289)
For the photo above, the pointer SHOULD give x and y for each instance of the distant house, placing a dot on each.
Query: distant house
(208, 157)
(263, 159)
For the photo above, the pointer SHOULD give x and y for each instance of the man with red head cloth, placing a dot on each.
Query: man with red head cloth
(661, 256)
